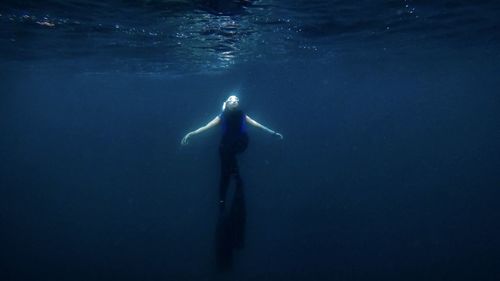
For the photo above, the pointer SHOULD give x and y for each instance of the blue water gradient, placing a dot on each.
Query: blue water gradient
(388, 170)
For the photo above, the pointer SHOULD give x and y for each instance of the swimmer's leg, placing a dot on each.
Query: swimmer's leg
(238, 214)
(227, 168)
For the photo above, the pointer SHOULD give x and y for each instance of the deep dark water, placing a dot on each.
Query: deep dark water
(388, 170)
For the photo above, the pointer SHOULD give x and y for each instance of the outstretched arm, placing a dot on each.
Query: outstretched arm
(260, 126)
(210, 124)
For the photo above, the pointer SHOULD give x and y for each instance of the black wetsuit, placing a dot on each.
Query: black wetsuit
(234, 141)
(230, 231)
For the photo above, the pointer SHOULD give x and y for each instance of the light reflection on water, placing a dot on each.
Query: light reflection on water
(161, 35)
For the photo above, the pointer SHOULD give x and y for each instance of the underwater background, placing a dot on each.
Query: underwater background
(389, 168)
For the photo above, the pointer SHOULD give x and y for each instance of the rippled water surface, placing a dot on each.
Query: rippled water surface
(198, 35)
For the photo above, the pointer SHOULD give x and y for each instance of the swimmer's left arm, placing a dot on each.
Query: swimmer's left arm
(258, 125)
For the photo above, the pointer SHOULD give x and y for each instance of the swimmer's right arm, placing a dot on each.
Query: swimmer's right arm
(210, 124)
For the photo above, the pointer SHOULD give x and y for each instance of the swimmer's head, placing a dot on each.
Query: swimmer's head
(231, 103)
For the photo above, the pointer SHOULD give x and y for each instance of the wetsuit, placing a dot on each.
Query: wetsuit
(234, 141)
(230, 231)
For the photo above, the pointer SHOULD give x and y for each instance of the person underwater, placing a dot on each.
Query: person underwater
(233, 142)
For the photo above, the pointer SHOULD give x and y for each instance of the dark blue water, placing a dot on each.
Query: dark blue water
(389, 168)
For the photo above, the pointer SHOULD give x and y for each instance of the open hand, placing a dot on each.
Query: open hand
(184, 140)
